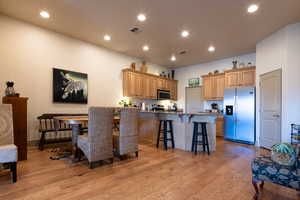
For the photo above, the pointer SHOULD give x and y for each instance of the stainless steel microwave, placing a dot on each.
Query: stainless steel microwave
(163, 94)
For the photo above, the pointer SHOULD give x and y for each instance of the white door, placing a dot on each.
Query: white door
(193, 100)
(270, 109)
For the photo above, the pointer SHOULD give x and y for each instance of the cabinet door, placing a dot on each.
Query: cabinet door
(139, 82)
(247, 78)
(219, 82)
(150, 87)
(207, 88)
(173, 90)
(232, 79)
(161, 83)
(126, 84)
(130, 84)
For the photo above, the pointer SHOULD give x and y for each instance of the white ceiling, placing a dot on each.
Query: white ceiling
(222, 23)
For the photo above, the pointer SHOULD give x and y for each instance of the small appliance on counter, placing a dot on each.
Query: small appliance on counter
(156, 107)
(174, 107)
(214, 107)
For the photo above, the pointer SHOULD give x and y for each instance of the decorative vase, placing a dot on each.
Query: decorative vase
(132, 66)
(173, 74)
(10, 91)
(144, 67)
(234, 63)
(283, 154)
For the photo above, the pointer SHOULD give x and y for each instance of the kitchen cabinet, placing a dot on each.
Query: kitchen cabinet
(213, 86)
(241, 77)
(220, 126)
(144, 86)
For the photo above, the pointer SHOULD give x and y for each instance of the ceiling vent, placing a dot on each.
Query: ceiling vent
(182, 52)
(135, 30)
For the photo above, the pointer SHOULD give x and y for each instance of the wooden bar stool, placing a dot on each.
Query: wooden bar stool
(197, 141)
(165, 127)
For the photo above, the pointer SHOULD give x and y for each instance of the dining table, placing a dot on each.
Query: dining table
(76, 123)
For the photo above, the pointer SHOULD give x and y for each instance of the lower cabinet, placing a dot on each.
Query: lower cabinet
(145, 86)
(220, 127)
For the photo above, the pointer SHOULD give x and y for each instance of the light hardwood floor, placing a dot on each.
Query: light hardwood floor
(156, 174)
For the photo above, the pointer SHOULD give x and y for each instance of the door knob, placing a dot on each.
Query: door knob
(276, 115)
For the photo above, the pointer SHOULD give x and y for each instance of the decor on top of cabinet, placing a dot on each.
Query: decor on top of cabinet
(284, 154)
(173, 74)
(10, 91)
(234, 63)
(70, 87)
(242, 64)
(144, 67)
(194, 82)
(216, 71)
(132, 66)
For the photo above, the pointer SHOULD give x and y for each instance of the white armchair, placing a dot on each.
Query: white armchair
(8, 151)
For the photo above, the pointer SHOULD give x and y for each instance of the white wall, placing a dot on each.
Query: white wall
(183, 74)
(281, 50)
(28, 54)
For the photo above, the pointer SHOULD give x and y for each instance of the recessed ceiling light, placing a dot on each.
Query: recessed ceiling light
(141, 17)
(252, 8)
(211, 49)
(107, 37)
(173, 58)
(185, 33)
(146, 48)
(44, 14)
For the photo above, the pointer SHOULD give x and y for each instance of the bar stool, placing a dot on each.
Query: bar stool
(163, 128)
(196, 134)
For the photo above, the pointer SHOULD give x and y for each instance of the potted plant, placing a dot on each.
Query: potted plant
(284, 154)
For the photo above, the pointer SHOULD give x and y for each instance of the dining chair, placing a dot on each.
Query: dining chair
(8, 151)
(97, 143)
(126, 139)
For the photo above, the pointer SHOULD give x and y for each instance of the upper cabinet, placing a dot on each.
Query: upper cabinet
(242, 77)
(214, 84)
(145, 86)
(213, 87)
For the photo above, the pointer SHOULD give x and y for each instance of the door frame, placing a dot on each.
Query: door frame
(185, 95)
(260, 102)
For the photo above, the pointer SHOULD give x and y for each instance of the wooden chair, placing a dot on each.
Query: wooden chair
(8, 151)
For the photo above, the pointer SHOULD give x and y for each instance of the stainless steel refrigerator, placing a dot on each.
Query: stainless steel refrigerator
(239, 114)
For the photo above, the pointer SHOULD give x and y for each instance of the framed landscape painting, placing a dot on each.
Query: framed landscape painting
(69, 87)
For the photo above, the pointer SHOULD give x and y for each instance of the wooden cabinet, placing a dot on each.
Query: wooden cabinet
(134, 84)
(207, 87)
(213, 87)
(242, 77)
(19, 108)
(145, 86)
(214, 84)
(220, 127)
(232, 79)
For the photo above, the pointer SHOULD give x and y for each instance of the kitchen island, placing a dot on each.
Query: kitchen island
(182, 127)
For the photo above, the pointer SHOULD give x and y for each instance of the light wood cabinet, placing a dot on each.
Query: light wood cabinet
(145, 86)
(220, 127)
(232, 79)
(213, 87)
(242, 77)
(214, 84)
